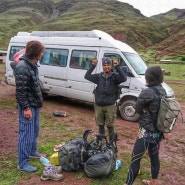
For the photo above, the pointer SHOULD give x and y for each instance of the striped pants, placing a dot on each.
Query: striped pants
(27, 136)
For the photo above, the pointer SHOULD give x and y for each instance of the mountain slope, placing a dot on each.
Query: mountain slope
(113, 17)
(121, 20)
(172, 15)
(174, 23)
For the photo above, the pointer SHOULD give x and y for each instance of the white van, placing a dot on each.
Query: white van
(68, 55)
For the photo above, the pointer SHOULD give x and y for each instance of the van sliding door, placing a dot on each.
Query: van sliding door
(80, 60)
(53, 70)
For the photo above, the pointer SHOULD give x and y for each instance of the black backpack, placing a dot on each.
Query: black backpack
(70, 155)
(98, 156)
(98, 145)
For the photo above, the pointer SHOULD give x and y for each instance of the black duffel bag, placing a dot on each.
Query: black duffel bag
(101, 164)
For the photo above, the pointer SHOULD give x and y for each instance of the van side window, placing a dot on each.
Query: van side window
(82, 59)
(117, 57)
(55, 57)
(13, 51)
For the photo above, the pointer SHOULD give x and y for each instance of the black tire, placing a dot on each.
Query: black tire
(127, 111)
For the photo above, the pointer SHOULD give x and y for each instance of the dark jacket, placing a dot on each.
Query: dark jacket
(106, 92)
(150, 101)
(28, 91)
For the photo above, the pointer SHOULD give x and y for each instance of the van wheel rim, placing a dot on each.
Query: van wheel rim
(130, 111)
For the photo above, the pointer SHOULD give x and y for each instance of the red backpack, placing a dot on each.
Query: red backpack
(18, 55)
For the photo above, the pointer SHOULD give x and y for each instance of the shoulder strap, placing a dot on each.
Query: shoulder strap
(159, 95)
(156, 91)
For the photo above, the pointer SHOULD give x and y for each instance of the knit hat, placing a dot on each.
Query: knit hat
(106, 60)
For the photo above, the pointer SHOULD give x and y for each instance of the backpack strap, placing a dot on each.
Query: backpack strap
(182, 117)
(84, 146)
(156, 91)
(160, 96)
(115, 142)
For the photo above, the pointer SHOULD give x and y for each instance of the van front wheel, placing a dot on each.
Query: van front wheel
(127, 110)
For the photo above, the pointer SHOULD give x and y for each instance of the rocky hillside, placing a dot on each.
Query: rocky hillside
(174, 22)
(122, 21)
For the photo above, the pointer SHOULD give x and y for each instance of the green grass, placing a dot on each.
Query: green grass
(1, 76)
(179, 90)
(177, 71)
(53, 133)
(2, 68)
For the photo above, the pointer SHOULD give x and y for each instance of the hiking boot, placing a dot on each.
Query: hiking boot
(58, 169)
(50, 173)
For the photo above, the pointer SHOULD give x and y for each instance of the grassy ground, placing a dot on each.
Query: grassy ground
(53, 131)
(56, 129)
(2, 68)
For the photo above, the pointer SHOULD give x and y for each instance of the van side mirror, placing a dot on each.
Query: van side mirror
(127, 71)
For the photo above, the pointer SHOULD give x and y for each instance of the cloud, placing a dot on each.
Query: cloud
(154, 7)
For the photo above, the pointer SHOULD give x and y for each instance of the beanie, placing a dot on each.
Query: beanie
(106, 60)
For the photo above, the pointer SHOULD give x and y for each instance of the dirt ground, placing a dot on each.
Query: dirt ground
(172, 148)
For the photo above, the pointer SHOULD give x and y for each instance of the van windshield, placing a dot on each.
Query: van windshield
(136, 62)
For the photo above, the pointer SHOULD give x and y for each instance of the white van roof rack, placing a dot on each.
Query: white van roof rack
(88, 34)
(23, 33)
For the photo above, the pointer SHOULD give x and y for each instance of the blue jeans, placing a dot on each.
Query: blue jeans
(27, 136)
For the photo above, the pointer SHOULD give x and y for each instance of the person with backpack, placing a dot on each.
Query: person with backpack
(148, 139)
(106, 94)
(30, 100)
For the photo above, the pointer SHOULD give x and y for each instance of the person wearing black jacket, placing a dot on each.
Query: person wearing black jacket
(149, 137)
(30, 100)
(106, 94)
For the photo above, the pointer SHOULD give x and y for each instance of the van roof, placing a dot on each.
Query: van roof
(85, 34)
(93, 38)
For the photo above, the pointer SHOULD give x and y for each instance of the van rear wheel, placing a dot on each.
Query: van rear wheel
(127, 111)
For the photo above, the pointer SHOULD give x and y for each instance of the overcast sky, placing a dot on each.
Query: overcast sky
(154, 7)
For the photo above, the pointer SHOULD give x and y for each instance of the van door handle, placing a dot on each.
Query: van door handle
(124, 86)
